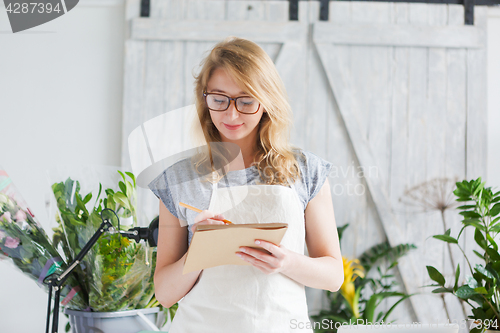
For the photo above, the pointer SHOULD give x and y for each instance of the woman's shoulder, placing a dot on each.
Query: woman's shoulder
(314, 172)
(180, 171)
(310, 162)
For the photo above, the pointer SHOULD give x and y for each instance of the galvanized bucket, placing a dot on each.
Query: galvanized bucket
(129, 321)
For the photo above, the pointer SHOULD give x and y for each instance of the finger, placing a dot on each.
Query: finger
(208, 221)
(274, 249)
(261, 256)
(261, 265)
(205, 214)
(215, 221)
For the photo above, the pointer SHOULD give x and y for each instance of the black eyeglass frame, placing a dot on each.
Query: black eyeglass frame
(205, 94)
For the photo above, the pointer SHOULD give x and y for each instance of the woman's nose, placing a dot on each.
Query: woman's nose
(232, 112)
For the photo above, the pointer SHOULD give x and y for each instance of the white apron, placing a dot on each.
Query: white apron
(234, 298)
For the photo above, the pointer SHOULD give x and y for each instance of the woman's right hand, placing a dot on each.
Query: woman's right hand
(207, 217)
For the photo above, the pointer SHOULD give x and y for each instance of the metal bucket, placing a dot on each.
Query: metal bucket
(129, 321)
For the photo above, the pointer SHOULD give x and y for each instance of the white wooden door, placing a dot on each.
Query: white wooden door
(392, 94)
(408, 82)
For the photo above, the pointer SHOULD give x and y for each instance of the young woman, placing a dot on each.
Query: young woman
(240, 99)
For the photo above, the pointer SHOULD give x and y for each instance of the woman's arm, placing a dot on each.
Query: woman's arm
(170, 284)
(323, 268)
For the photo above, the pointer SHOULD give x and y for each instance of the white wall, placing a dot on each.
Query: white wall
(60, 103)
(493, 177)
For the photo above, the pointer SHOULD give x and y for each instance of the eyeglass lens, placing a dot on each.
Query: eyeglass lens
(244, 104)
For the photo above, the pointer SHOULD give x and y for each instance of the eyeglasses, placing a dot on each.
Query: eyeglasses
(220, 102)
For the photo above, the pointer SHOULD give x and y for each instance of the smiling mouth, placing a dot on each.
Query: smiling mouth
(232, 127)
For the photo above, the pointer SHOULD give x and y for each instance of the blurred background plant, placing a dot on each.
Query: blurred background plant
(360, 295)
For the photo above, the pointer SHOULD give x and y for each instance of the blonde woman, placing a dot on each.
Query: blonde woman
(241, 100)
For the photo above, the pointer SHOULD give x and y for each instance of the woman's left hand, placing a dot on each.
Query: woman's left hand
(277, 261)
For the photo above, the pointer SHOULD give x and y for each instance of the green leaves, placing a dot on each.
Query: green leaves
(384, 251)
(382, 258)
(121, 199)
(446, 238)
(375, 300)
(495, 210)
(340, 230)
(465, 292)
(457, 276)
(435, 275)
(480, 240)
(471, 282)
(118, 277)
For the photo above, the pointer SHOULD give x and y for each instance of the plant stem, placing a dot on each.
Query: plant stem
(492, 307)
(468, 262)
(446, 308)
(453, 269)
(496, 297)
(449, 245)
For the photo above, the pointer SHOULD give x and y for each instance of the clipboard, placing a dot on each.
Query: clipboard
(215, 245)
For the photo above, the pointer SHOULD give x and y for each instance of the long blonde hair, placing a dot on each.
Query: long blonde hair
(254, 71)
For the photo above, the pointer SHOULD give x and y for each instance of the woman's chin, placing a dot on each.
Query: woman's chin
(233, 135)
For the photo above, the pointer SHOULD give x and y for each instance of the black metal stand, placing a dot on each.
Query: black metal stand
(55, 282)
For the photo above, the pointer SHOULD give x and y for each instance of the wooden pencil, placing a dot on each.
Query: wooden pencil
(198, 210)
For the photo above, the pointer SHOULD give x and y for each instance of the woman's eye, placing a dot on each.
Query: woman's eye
(218, 100)
(247, 101)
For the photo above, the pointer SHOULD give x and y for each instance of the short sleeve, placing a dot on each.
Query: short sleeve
(315, 172)
(159, 186)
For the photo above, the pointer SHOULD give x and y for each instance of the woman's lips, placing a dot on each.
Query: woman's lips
(230, 127)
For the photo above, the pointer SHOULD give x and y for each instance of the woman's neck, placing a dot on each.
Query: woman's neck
(248, 150)
(246, 156)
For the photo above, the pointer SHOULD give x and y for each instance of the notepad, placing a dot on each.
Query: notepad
(215, 245)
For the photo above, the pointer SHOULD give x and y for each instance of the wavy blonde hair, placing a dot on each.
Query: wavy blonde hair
(254, 71)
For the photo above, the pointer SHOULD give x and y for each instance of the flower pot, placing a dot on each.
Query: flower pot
(129, 321)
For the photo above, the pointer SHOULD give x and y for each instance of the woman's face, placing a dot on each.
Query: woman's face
(233, 126)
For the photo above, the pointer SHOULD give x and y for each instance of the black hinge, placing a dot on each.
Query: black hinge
(469, 12)
(293, 10)
(323, 10)
(145, 6)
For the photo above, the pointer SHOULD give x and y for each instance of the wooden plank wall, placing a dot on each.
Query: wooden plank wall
(412, 105)
(421, 110)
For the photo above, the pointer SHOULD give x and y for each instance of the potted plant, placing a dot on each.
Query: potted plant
(117, 273)
(355, 303)
(115, 278)
(480, 210)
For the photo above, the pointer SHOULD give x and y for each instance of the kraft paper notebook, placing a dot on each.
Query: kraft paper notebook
(214, 245)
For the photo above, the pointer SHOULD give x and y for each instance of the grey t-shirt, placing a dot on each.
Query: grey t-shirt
(181, 183)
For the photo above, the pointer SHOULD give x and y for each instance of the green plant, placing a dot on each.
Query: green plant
(355, 303)
(480, 290)
(117, 273)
